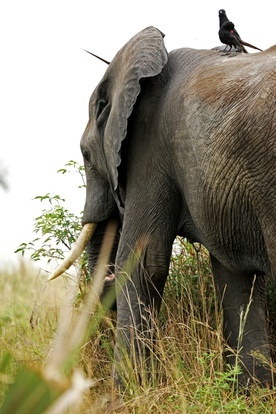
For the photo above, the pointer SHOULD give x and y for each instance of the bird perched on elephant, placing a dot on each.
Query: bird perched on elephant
(183, 143)
(229, 35)
(229, 38)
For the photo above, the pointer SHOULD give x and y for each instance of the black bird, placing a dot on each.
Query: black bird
(229, 38)
(223, 18)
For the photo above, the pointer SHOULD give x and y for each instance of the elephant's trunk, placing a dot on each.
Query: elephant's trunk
(81, 242)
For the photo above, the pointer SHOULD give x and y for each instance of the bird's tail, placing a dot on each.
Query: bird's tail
(242, 47)
(248, 45)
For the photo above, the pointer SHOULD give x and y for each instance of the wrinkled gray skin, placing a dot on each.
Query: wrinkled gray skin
(184, 144)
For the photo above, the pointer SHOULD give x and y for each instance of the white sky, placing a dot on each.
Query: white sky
(46, 81)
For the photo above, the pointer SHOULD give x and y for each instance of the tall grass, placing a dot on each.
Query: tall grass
(188, 371)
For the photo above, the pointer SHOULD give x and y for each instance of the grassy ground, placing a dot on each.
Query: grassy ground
(190, 375)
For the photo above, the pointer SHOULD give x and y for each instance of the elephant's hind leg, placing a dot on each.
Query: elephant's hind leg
(245, 327)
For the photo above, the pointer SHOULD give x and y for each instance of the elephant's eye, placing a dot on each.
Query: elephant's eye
(102, 111)
(86, 154)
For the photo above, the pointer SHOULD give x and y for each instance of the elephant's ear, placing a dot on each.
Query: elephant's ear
(143, 56)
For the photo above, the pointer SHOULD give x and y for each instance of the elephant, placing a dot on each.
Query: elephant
(184, 144)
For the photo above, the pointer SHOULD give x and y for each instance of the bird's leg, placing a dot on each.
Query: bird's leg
(224, 49)
(228, 51)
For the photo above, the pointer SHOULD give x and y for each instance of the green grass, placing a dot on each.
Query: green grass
(188, 371)
(29, 312)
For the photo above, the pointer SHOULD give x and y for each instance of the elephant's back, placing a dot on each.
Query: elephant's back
(224, 145)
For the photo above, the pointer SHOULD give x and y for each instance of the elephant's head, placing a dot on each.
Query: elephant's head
(110, 108)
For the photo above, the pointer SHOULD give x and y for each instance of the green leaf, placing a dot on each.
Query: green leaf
(56, 228)
(30, 393)
(62, 171)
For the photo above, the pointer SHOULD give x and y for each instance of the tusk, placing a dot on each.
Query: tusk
(81, 242)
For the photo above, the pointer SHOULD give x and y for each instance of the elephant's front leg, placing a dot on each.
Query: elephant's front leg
(140, 280)
(245, 327)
